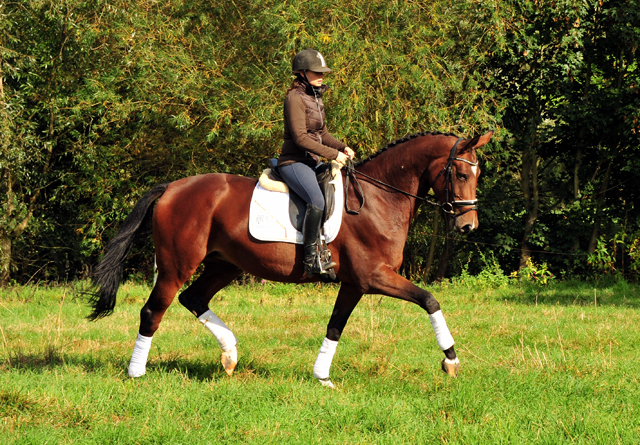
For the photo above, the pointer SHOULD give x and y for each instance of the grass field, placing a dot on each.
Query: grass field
(557, 364)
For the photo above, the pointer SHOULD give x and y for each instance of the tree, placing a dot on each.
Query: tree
(567, 72)
(104, 99)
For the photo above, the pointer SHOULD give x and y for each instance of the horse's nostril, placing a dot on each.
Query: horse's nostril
(466, 229)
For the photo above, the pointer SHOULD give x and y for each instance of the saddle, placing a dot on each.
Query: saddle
(271, 180)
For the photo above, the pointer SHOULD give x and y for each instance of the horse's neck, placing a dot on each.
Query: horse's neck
(401, 166)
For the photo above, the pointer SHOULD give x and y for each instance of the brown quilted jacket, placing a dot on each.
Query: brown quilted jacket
(306, 138)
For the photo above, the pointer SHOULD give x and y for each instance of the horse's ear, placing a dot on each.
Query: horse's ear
(477, 141)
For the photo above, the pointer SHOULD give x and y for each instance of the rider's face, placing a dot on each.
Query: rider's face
(314, 78)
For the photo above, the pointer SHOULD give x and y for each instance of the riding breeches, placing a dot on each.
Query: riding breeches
(302, 180)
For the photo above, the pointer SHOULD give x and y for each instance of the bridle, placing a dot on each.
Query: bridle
(447, 207)
(449, 204)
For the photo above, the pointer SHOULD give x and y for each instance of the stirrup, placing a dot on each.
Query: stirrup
(329, 276)
(323, 266)
(318, 268)
(325, 261)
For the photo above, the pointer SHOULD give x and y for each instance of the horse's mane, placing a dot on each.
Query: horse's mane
(400, 141)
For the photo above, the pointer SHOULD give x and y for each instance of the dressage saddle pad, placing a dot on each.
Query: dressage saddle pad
(278, 215)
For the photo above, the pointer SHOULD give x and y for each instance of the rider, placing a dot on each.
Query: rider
(306, 140)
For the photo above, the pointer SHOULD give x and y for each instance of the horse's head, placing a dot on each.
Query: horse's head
(456, 178)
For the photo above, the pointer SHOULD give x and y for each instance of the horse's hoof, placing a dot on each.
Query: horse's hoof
(136, 371)
(451, 367)
(326, 382)
(229, 360)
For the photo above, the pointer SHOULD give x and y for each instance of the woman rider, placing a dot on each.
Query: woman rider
(306, 140)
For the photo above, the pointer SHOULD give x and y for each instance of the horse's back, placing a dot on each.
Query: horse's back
(193, 207)
(208, 184)
(198, 193)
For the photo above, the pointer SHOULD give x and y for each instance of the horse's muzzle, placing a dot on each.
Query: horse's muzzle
(467, 228)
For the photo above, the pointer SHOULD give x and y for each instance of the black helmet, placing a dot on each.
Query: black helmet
(310, 60)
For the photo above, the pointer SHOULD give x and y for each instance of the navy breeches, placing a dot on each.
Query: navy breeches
(302, 180)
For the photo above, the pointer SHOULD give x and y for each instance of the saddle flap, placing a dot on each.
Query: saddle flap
(271, 216)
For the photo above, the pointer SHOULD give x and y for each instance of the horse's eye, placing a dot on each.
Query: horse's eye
(462, 177)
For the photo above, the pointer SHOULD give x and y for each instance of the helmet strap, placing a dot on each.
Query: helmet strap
(317, 92)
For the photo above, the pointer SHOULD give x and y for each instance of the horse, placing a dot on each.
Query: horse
(203, 219)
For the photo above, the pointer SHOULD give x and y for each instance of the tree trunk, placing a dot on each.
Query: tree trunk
(5, 241)
(5, 261)
(576, 193)
(8, 234)
(443, 264)
(576, 176)
(529, 182)
(432, 247)
(599, 205)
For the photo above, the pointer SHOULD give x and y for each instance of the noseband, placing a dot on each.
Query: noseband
(448, 206)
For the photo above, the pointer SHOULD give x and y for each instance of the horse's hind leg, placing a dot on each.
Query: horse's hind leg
(151, 314)
(216, 275)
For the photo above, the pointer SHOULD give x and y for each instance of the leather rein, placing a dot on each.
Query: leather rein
(448, 206)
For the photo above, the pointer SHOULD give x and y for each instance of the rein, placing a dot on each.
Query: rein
(447, 207)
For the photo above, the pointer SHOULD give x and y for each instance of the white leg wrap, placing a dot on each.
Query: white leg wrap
(138, 363)
(325, 357)
(443, 336)
(220, 331)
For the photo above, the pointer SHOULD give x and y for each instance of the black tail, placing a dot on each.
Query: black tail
(107, 275)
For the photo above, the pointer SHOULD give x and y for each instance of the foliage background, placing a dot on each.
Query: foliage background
(100, 100)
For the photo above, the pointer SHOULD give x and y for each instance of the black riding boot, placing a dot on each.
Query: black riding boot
(313, 265)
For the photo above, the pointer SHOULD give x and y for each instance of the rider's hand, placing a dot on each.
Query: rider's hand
(342, 158)
(349, 152)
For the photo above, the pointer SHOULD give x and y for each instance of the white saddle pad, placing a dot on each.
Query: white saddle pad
(269, 215)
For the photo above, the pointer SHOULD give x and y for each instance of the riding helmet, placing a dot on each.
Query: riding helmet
(310, 60)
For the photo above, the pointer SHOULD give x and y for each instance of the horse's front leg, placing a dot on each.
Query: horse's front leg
(388, 282)
(348, 298)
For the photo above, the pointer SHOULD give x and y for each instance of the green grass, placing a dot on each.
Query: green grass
(540, 365)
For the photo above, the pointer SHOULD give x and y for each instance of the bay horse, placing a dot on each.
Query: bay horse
(204, 220)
